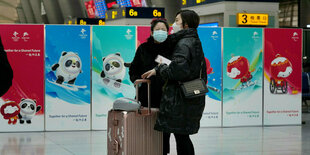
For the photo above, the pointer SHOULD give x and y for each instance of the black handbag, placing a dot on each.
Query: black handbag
(194, 88)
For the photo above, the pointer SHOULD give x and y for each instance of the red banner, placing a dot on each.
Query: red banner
(136, 3)
(91, 9)
(282, 72)
(144, 32)
(24, 45)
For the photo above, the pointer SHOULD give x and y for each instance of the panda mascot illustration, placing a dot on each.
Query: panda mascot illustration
(28, 109)
(68, 67)
(114, 69)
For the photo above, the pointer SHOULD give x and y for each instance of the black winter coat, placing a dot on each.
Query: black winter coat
(6, 71)
(144, 61)
(177, 114)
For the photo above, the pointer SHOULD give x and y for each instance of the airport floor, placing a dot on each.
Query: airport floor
(280, 140)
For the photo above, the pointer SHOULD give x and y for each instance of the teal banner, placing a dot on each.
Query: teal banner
(112, 47)
(242, 76)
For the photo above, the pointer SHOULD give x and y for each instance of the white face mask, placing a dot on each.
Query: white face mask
(176, 28)
(160, 35)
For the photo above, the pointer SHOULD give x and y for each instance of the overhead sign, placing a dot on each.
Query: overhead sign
(252, 19)
(189, 3)
(135, 12)
(91, 21)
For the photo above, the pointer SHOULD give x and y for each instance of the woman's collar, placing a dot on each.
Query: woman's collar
(183, 33)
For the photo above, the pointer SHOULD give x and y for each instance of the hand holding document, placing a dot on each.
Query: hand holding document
(162, 60)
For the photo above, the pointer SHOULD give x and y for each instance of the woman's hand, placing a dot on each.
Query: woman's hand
(148, 74)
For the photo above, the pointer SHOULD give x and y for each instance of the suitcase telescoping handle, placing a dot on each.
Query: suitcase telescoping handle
(137, 82)
(116, 146)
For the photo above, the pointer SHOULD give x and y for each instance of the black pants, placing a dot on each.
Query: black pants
(184, 144)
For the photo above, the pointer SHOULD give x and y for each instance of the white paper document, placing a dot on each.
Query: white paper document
(162, 60)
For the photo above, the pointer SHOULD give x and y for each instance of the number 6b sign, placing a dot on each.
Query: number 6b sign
(252, 19)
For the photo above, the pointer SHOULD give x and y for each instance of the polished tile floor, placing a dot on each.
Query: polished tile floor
(281, 140)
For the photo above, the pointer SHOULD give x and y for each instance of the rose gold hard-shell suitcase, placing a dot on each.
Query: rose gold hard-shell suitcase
(132, 133)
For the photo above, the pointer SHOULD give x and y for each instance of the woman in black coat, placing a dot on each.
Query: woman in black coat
(144, 60)
(177, 114)
(6, 71)
(157, 44)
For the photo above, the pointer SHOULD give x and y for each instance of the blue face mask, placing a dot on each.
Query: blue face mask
(160, 35)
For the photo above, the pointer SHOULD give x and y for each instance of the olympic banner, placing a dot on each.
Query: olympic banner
(112, 48)
(22, 106)
(282, 76)
(143, 33)
(67, 78)
(211, 40)
(242, 76)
